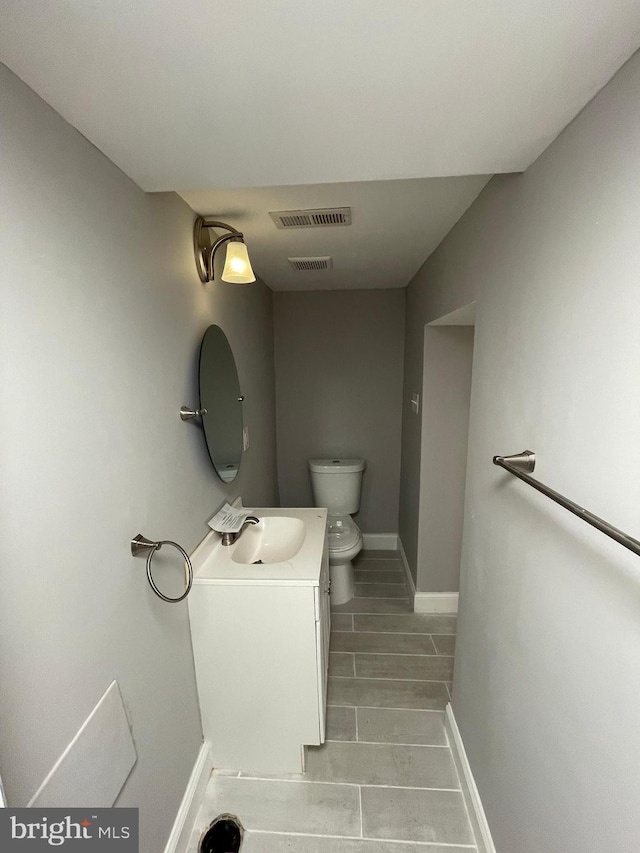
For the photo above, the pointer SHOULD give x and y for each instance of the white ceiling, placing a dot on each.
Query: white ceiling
(395, 226)
(209, 95)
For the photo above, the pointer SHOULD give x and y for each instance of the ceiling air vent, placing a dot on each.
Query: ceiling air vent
(319, 218)
(311, 264)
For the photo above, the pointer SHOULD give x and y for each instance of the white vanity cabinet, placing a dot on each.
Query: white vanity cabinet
(260, 635)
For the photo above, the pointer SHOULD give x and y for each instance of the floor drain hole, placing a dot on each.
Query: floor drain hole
(223, 836)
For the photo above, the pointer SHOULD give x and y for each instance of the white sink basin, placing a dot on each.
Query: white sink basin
(285, 548)
(274, 540)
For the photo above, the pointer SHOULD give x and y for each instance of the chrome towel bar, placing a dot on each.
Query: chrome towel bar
(520, 464)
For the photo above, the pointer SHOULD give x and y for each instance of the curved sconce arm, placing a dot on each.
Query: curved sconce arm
(205, 253)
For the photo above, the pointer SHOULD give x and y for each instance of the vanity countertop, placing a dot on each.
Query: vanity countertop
(213, 563)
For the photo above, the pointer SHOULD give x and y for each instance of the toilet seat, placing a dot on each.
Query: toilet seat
(345, 543)
(344, 533)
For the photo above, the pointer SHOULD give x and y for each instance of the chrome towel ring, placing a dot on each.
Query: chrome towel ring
(140, 546)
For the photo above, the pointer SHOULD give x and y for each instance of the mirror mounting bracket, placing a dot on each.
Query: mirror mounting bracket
(187, 414)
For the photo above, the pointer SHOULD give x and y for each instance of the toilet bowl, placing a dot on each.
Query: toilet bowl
(345, 543)
(336, 484)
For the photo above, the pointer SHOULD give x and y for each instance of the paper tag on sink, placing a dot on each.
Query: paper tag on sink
(228, 519)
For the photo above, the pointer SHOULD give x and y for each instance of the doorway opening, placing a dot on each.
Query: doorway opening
(446, 395)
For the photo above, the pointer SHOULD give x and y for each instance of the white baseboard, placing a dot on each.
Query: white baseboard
(190, 805)
(472, 800)
(427, 602)
(380, 541)
(435, 602)
(410, 584)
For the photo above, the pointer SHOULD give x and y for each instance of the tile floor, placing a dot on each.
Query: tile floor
(384, 781)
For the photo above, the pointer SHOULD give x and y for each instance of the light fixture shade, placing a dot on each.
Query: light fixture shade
(237, 267)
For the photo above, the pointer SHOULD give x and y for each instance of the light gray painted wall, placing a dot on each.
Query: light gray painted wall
(446, 391)
(444, 284)
(411, 440)
(102, 316)
(338, 386)
(548, 660)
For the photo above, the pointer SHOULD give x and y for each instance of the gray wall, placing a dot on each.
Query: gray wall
(446, 391)
(338, 387)
(102, 316)
(548, 660)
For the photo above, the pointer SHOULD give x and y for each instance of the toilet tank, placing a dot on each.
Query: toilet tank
(336, 483)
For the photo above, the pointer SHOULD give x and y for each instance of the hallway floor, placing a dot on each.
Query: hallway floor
(384, 781)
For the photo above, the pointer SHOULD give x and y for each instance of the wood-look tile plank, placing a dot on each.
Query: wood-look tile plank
(387, 725)
(381, 590)
(409, 667)
(415, 815)
(259, 842)
(445, 643)
(279, 806)
(401, 644)
(382, 764)
(378, 693)
(374, 605)
(404, 623)
(342, 664)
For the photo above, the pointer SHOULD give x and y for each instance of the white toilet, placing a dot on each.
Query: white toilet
(335, 484)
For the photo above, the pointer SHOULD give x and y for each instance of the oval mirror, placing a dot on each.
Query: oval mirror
(220, 396)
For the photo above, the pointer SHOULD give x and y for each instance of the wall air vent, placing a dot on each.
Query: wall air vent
(311, 264)
(320, 218)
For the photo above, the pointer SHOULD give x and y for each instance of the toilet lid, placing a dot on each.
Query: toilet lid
(343, 533)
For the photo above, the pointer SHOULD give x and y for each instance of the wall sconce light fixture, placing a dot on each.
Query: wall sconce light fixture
(237, 268)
